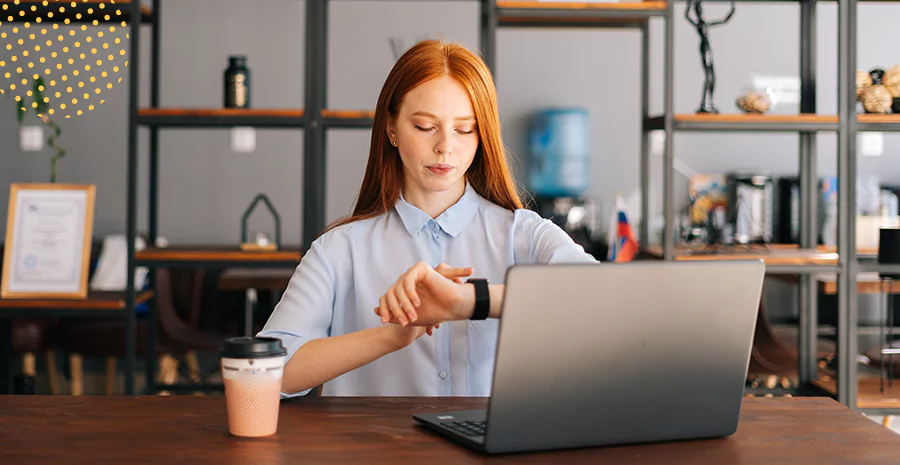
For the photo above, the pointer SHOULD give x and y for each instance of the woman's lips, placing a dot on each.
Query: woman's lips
(440, 170)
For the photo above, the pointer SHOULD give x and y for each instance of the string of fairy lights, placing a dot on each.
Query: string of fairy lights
(67, 67)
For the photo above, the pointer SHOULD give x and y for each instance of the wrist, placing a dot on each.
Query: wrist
(466, 306)
(389, 340)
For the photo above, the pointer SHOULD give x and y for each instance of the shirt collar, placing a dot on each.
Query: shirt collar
(452, 221)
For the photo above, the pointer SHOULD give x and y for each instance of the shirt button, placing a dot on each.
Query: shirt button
(443, 375)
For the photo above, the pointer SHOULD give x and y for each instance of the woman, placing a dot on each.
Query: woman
(437, 189)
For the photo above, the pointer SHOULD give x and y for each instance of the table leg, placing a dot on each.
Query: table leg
(5, 355)
(249, 305)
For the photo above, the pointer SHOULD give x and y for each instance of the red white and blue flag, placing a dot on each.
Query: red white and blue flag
(622, 245)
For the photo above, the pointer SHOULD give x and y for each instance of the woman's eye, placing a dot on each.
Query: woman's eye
(461, 131)
(423, 129)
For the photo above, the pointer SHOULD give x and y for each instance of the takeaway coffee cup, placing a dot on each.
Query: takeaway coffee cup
(252, 369)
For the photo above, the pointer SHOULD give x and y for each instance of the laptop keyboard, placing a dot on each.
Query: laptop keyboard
(469, 428)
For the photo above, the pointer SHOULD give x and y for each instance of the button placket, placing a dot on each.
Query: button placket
(435, 231)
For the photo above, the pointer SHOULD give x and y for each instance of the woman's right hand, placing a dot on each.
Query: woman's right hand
(425, 296)
(403, 336)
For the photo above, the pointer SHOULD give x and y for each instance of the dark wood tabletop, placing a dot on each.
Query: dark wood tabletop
(193, 430)
(269, 279)
(96, 300)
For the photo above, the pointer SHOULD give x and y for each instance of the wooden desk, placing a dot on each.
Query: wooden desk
(192, 430)
(269, 279)
(98, 301)
(97, 304)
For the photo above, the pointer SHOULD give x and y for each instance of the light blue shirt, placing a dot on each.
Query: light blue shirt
(337, 285)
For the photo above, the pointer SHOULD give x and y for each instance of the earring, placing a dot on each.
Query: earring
(394, 143)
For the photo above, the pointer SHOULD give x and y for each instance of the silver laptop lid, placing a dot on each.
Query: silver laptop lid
(622, 353)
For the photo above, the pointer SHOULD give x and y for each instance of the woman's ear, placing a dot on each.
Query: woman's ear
(392, 132)
(391, 129)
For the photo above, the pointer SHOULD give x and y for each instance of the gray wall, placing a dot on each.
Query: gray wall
(205, 186)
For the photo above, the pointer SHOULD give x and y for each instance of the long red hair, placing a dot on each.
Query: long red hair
(489, 173)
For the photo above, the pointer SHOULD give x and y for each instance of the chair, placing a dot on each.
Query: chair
(30, 336)
(179, 301)
(775, 357)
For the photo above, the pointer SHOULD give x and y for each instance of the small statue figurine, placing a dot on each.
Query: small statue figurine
(702, 26)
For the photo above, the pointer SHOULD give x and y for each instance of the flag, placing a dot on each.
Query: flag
(622, 244)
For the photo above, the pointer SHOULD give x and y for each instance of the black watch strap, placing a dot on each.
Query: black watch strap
(482, 299)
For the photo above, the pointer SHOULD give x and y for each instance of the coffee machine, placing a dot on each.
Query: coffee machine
(750, 212)
(577, 216)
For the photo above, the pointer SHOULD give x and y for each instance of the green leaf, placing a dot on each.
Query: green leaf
(20, 110)
(42, 106)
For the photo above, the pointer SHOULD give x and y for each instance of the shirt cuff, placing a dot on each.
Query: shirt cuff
(292, 343)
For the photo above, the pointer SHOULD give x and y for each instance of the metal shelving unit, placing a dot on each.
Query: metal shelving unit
(96, 305)
(316, 118)
(807, 124)
(156, 119)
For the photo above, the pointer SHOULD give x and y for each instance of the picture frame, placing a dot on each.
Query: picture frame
(48, 241)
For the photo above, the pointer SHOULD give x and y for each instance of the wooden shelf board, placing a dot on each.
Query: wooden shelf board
(577, 14)
(216, 254)
(534, 5)
(869, 395)
(220, 112)
(567, 21)
(348, 114)
(95, 301)
(777, 254)
(866, 283)
(752, 118)
(879, 119)
(81, 7)
(688, 119)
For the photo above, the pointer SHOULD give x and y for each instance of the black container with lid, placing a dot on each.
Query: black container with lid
(252, 347)
(889, 250)
(237, 83)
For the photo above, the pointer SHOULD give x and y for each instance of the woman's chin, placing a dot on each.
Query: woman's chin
(442, 184)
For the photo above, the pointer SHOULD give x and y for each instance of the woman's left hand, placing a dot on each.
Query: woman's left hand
(425, 296)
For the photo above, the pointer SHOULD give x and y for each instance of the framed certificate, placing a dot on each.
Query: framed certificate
(48, 241)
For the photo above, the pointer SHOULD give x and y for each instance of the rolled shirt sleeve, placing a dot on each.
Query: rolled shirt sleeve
(546, 242)
(305, 310)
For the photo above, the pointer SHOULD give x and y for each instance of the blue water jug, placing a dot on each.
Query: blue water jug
(560, 152)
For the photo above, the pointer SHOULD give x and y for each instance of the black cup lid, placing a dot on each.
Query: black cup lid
(252, 347)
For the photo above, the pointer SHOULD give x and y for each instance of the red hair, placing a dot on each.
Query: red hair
(489, 173)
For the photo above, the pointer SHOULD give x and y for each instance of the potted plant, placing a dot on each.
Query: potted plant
(41, 108)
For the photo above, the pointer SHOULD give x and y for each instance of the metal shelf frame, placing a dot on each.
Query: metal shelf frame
(846, 127)
(314, 162)
(492, 17)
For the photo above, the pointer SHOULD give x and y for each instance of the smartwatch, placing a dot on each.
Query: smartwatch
(482, 299)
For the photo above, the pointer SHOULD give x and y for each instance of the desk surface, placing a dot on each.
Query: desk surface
(94, 301)
(270, 279)
(186, 429)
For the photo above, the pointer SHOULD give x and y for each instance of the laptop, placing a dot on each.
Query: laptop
(599, 355)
